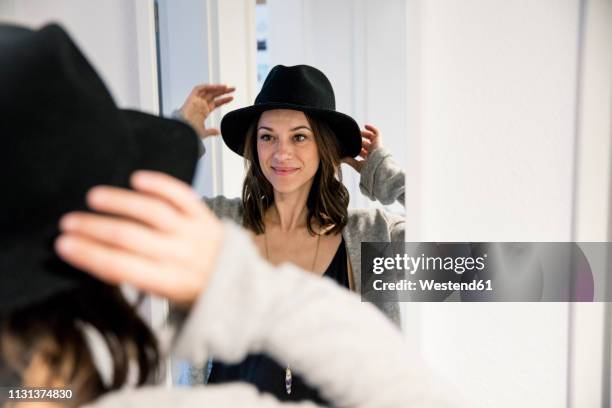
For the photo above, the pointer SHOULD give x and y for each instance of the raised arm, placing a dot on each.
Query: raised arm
(198, 105)
(381, 178)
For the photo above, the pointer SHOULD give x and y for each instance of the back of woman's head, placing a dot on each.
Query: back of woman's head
(46, 344)
(328, 199)
(80, 140)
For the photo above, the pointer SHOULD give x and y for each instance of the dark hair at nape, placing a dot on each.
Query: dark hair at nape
(54, 329)
(328, 199)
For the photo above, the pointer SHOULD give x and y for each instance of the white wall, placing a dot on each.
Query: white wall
(504, 156)
(116, 35)
(498, 99)
(498, 85)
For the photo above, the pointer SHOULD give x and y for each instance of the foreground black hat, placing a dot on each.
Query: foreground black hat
(61, 135)
(301, 88)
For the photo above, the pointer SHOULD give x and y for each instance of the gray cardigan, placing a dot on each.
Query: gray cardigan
(381, 179)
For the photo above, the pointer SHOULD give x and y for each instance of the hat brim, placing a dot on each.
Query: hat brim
(164, 145)
(235, 124)
(36, 273)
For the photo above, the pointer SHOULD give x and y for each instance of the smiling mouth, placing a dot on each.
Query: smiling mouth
(285, 171)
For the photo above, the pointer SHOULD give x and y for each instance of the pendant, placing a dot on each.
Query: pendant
(288, 380)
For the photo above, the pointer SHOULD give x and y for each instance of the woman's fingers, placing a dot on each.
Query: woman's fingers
(373, 129)
(109, 264)
(366, 145)
(365, 142)
(373, 136)
(209, 92)
(366, 134)
(202, 100)
(211, 132)
(126, 203)
(116, 266)
(221, 101)
(210, 88)
(210, 95)
(120, 233)
(216, 88)
(171, 190)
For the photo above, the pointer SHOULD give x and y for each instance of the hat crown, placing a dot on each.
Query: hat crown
(300, 85)
(64, 133)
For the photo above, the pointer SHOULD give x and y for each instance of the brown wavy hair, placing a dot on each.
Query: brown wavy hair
(52, 330)
(328, 199)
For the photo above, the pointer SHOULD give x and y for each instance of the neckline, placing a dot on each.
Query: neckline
(336, 255)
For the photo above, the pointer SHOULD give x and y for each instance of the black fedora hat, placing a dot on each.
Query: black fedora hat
(63, 134)
(303, 88)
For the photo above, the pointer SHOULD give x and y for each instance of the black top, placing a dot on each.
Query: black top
(263, 372)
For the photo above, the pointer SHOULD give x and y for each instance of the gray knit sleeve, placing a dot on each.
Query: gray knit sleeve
(382, 179)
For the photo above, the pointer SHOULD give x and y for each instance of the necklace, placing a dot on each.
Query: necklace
(314, 260)
(288, 374)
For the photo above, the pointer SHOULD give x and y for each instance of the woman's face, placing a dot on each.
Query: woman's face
(287, 150)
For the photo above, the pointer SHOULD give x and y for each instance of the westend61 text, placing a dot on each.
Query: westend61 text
(429, 285)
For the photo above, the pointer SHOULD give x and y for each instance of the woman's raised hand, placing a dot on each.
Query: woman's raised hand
(370, 141)
(202, 100)
(160, 238)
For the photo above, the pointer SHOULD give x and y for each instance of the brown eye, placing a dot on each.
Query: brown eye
(265, 137)
(299, 138)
